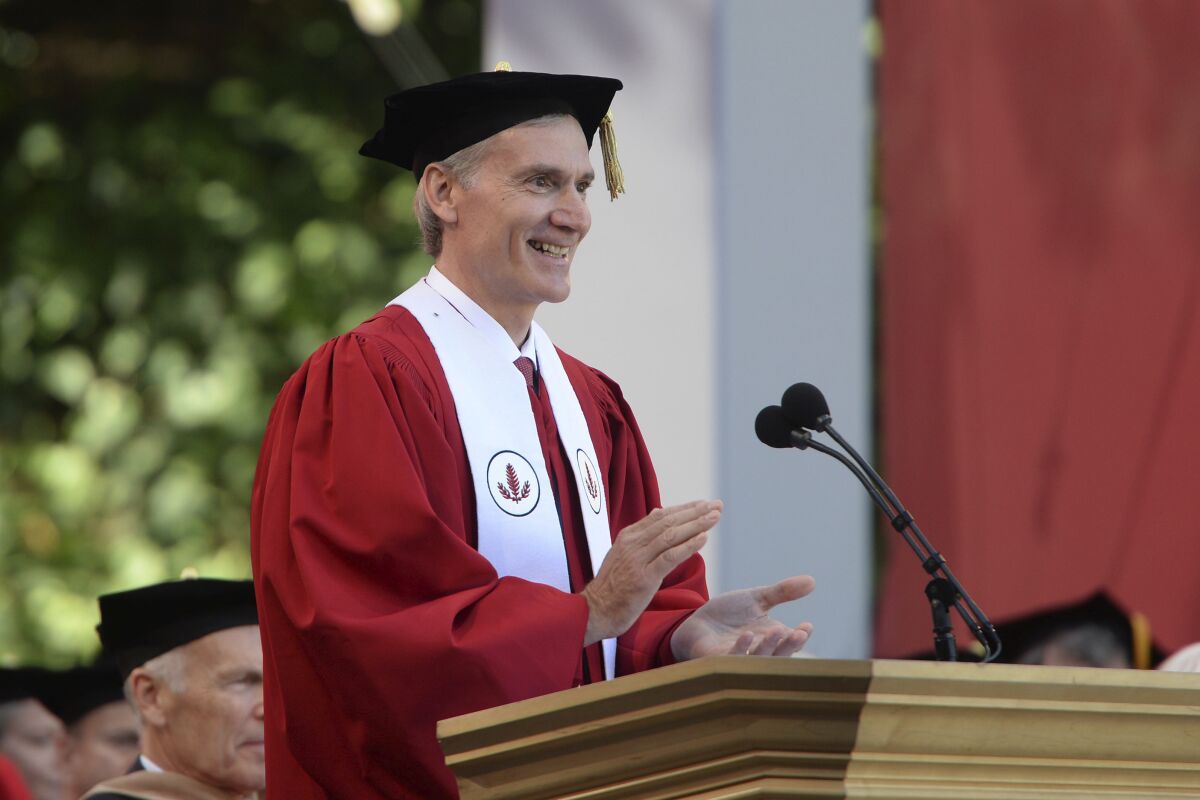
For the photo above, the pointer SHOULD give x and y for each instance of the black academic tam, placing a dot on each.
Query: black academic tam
(140, 624)
(429, 123)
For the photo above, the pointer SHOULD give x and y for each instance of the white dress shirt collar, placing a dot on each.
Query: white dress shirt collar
(482, 321)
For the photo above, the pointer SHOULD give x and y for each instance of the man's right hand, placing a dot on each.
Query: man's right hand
(641, 557)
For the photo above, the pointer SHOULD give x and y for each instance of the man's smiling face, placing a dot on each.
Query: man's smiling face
(522, 218)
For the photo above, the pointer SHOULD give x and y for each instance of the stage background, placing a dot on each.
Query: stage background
(1040, 290)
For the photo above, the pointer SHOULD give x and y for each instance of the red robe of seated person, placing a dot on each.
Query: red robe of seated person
(378, 616)
(12, 787)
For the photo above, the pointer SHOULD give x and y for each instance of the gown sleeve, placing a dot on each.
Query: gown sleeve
(378, 616)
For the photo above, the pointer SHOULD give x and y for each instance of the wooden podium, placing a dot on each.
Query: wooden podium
(732, 727)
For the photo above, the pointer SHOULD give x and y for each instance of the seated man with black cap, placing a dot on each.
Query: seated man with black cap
(102, 730)
(192, 661)
(31, 737)
(449, 512)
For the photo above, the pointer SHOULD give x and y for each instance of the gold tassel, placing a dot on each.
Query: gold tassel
(503, 66)
(1140, 628)
(613, 176)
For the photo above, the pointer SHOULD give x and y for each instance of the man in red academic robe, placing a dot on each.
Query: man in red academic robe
(427, 518)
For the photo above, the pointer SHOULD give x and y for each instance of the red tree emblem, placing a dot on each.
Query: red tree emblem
(589, 483)
(514, 491)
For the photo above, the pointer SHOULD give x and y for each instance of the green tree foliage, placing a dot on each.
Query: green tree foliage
(183, 219)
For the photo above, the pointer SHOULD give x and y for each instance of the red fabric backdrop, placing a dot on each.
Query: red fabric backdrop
(1040, 282)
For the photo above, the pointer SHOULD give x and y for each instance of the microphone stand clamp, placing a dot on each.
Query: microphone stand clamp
(942, 597)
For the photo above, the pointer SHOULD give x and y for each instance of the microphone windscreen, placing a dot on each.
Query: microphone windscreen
(803, 405)
(772, 427)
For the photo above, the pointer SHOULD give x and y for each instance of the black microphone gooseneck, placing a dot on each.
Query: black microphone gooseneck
(775, 430)
(804, 406)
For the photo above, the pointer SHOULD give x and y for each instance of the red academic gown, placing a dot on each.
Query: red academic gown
(12, 787)
(378, 616)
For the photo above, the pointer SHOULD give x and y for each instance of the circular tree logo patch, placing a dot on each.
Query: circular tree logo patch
(513, 483)
(589, 481)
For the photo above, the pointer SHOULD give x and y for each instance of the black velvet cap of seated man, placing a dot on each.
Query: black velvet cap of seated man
(22, 683)
(430, 123)
(141, 624)
(74, 693)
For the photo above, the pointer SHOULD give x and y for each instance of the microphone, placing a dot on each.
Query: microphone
(774, 429)
(804, 407)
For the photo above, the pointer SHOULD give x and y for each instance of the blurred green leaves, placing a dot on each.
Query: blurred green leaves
(183, 219)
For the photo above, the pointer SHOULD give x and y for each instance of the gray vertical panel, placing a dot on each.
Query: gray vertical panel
(794, 298)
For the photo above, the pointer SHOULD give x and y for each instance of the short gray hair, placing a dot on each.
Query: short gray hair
(169, 669)
(463, 167)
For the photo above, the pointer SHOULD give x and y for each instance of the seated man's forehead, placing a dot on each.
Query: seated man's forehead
(32, 718)
(233, 645)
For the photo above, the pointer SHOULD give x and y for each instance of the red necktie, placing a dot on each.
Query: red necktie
(525, 364)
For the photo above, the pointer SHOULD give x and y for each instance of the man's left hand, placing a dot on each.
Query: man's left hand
(736, 623)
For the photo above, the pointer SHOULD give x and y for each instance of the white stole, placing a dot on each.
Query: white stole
(519, 529)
